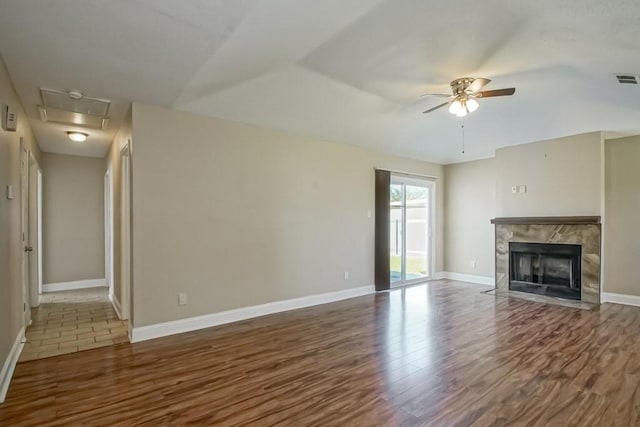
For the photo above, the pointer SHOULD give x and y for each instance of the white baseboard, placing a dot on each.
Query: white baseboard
(480, 280)
(620, 299)
(116, 305)
(10, 365)
(144, 333)
(78, 284)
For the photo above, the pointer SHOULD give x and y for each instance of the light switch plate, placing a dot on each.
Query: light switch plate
(182, 298)
(10, 193)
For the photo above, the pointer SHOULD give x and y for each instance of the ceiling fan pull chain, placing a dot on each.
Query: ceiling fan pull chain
(462, 126)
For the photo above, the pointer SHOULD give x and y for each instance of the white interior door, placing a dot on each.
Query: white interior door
(125, 227)
(24, 228)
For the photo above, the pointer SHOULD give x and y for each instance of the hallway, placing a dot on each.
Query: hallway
(71, 321)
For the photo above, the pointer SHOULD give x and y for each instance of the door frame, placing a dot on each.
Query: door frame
(40, 231)
(431, 226)
(125, 230)
(24, 230)
(108, 231)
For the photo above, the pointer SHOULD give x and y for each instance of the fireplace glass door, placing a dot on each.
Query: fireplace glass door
(545, 269)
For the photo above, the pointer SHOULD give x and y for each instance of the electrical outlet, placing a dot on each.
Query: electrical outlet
(514, 189)
(522, 189)
(369, 213)
(346, 275)
(182, 298)
(473, 264)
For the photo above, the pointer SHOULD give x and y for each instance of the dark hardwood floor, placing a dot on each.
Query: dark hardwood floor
(441, 354)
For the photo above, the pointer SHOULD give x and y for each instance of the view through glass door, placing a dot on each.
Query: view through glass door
(410, 230)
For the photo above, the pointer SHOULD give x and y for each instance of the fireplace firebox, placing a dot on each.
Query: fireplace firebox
(545, 269)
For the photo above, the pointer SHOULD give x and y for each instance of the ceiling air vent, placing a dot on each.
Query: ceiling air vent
(628, 79)
(73, 108)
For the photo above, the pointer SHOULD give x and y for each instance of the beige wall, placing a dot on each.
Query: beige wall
(72, 218)
(11, 319)
(237, 215)
(622, 210)
(112, 164)
(563, 177)
(470, 204)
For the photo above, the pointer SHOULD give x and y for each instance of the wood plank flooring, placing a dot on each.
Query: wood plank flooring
(441, 354)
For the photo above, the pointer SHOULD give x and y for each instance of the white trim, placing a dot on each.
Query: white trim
(79, 284)
(158, 330)
(438, 275)
(40, 247)
(480, 280)
(620, 299)
(10, 365)
(116, 305)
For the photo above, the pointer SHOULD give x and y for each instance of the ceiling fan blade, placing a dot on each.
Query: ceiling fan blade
(476, 85)
(440, 95)
(497, 92)
(437, 106)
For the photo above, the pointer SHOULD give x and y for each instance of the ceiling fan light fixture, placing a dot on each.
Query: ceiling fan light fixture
(77, 136)
(472, 105)
(464, 93)
(456, 107)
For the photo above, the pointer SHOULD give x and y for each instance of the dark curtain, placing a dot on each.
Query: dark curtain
(383, 217)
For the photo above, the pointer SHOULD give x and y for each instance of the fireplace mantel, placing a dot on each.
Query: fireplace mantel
(547, 220)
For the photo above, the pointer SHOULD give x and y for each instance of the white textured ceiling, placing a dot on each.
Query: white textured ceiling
(348, 71)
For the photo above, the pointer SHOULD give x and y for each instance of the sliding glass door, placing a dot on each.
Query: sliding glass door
(410, 231)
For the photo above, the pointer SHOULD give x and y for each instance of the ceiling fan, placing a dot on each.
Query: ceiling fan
(465, 92)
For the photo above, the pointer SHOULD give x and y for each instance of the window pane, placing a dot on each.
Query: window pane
(395, 244)
(417, 196)
(396, 194)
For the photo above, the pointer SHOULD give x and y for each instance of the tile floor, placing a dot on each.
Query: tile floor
(70, 321)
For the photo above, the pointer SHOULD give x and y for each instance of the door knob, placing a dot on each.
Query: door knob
(28, 249)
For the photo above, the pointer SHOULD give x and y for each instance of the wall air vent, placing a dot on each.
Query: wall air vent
(73, 108)
(628, 79)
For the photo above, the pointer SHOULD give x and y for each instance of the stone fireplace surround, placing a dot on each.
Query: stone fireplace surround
(577, 230)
